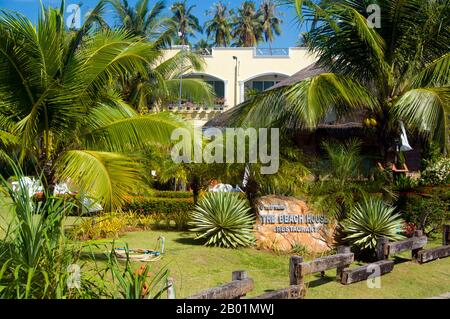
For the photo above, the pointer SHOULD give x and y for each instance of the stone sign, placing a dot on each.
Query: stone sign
(284, 222)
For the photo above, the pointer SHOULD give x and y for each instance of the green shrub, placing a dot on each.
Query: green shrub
(437, 173)
(165, 210)
(172, 194)
(224, 220)
(108, 225)
(370, 220)
(425, 212)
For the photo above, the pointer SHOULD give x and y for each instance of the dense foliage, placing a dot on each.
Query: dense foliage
(426, 208)
(163, 210)
(397, 71)
(437, 173)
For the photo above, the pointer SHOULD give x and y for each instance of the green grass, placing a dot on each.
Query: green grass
(196, 268)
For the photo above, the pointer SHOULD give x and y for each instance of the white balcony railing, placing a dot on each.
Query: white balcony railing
(271, 52)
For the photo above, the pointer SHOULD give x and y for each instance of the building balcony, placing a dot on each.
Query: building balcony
(189, 107)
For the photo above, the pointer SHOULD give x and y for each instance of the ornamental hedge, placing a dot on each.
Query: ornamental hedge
(165, 211)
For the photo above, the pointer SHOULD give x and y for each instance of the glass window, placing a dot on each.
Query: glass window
(268, 84)
(218, 87)
(258, 85)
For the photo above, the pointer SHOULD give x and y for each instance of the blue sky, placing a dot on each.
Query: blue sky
(288, 38)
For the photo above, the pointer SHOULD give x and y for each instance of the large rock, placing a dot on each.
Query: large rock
(284, 222)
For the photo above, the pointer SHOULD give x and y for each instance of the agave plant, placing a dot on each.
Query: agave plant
(370, 220)
(224, 220)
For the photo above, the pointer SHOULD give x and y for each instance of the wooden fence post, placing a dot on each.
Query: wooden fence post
(239, 275)
(414, 252)
(446, 235)
(170, 289)
(381, 247)
(295, 277)
(341, 250)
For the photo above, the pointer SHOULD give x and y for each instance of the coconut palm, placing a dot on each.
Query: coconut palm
(247, 28)
(159, 86)
(142, 21)
(184, 23)
(271, 22)
(399, 71)
(219, 27)
(60, 107)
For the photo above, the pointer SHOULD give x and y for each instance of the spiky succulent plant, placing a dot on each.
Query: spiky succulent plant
(224, 219)
(369, 220)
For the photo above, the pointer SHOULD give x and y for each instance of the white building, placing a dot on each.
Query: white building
(233, 71)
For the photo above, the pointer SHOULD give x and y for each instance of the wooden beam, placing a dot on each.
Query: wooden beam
(239, 275)
(339, 269)
(292, 292)
(426, 255)
(236, 289)
(325, 263)
(408, 244)
(350, 276)
(382, 248)
(446, 235)
(295, 278)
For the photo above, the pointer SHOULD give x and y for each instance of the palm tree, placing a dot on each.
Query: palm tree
(203, 47)
(219, 27)
(400, 71)
(184, 22)
(60, 107)
(271, 23)
(144, 22)
(247, 28)
(159, 84)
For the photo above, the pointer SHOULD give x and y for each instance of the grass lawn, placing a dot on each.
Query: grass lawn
(195, 268)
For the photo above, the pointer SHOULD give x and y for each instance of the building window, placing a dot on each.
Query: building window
(263, 85)
(218, 87)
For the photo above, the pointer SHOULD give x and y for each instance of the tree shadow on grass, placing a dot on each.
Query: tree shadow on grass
(401, 260)
(191, 241)
(320, 281)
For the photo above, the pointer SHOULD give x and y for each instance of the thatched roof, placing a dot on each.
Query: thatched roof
(351, 121)
(309, 71)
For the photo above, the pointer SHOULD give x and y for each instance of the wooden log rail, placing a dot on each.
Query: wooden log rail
(236, 289)
(299, 269)
(292, 292)
(415, 244)
(431, 254)
(446, 235)
(379, 268)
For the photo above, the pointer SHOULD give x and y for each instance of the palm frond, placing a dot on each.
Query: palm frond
(427, 109)
(115, 131)
(304, 104)
(107, 177)
(195, 90)
(436, 73)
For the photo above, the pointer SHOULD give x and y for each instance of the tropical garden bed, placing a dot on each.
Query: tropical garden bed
(82, 108)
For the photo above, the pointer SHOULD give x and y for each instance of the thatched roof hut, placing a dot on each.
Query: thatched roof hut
(351, 122)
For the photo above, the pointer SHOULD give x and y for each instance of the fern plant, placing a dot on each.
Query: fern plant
(370, 220)
(224, 219)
